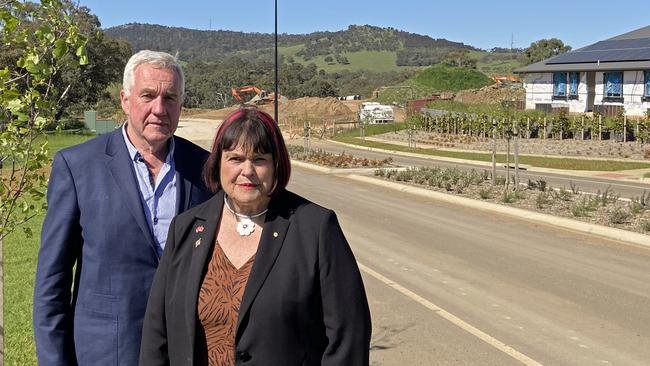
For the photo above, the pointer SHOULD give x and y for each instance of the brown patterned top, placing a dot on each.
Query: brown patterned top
(218, 306)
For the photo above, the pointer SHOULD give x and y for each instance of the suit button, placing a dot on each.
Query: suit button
(243, 356)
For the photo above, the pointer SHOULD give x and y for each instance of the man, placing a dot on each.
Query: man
(111, 201)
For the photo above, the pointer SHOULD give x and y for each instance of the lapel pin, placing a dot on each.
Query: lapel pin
(197, 243)
(275, 234)
(199, 229)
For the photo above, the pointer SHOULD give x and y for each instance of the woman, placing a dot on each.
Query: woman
(256, 275)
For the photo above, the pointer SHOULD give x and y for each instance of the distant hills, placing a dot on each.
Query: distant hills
(327, 48)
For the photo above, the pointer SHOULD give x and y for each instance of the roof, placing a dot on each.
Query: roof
(628, 51)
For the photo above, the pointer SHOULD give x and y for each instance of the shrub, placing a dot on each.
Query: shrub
(542, 199)
(562, 194)
(619, 216)
(500, 180)
(508, 197)
(645, 225)
(485, 193)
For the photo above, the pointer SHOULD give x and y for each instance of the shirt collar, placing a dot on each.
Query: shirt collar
(135, 155)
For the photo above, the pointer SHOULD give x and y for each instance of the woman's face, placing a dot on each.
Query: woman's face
(247, 178)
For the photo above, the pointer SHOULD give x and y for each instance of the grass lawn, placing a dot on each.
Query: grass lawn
(350, 137)
(20, 255)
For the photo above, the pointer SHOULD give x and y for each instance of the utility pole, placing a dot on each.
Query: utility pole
(276, 97)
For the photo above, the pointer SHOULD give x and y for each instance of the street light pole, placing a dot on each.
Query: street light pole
(275, 99)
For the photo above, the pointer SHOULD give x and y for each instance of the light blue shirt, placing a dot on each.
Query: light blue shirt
(159, 199)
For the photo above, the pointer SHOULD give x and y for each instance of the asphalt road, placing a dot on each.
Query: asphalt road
(455, 286)
(625, 189)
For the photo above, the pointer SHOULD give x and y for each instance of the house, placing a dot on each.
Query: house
(605, 77)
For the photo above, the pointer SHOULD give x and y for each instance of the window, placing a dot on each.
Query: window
(559, 85)
(646, 78)
(564, 90)
(574, 80)
(613, 86)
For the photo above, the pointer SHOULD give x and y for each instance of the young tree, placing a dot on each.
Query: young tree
(44, 41)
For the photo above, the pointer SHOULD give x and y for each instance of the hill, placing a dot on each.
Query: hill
(351, 49)
(432, 80)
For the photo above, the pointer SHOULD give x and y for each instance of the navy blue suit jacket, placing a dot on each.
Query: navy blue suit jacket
(98, 257)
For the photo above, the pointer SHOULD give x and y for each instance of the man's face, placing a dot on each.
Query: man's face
(154, 106)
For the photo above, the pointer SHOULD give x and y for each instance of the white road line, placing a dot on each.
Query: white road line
(453, 319)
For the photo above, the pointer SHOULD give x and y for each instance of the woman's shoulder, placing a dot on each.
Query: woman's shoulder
(294, 204)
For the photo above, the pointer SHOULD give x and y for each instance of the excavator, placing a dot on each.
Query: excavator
(499, 79)
(261, 96)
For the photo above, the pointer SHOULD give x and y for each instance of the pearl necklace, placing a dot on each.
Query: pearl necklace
(245, 224)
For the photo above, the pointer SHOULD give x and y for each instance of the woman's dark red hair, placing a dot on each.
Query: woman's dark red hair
(256, 131)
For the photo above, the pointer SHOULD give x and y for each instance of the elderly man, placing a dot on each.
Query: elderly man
(111, 201)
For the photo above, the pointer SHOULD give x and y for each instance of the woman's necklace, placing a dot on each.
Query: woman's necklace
(245, 224)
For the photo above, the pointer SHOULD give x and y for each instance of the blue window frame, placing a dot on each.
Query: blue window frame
(559, 84)
(574, 80)
(646, 94)
(613, 86)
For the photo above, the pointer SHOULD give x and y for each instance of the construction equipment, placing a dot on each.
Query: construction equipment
(261, 96)
(499, 79)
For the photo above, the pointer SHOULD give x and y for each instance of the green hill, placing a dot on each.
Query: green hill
(432, 80)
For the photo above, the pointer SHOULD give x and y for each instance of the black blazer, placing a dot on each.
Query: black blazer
(304, 303)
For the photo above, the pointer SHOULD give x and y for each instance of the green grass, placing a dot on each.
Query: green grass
(379, 61)
(449, 78)
(495, 63)
(20, 254)
(435, 79)
(58, 141)
(351, 137)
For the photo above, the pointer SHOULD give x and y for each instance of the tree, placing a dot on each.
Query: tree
(460, 58)
(543, 49)
(45, 41)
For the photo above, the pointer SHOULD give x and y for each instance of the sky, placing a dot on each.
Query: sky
(482, 24)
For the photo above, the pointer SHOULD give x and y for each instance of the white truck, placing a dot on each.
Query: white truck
(373, 112)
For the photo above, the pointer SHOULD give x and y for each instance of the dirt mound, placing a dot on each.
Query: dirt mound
(316, 107)
(490, 94)
(307, 107)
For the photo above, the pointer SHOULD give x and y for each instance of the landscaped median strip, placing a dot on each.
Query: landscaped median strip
(558, 163)
(574, 225)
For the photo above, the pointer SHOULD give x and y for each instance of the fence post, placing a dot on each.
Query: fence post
(600, 128)
(624, 128)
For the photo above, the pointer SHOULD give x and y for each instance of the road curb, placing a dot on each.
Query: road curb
(565, 223)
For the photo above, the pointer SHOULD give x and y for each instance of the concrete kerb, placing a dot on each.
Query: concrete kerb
(565, 223)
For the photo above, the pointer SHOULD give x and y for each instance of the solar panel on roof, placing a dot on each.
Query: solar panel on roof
(612, 51)
(617, 45)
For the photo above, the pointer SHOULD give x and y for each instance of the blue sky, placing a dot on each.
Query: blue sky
(483, 24)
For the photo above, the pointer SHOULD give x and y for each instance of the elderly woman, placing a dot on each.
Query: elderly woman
(257, 275)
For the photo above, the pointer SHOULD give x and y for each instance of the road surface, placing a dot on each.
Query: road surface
(455, 286)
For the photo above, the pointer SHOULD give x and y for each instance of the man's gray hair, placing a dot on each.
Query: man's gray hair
(158, 59)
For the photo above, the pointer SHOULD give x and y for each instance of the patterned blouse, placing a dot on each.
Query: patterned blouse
(218, 306)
